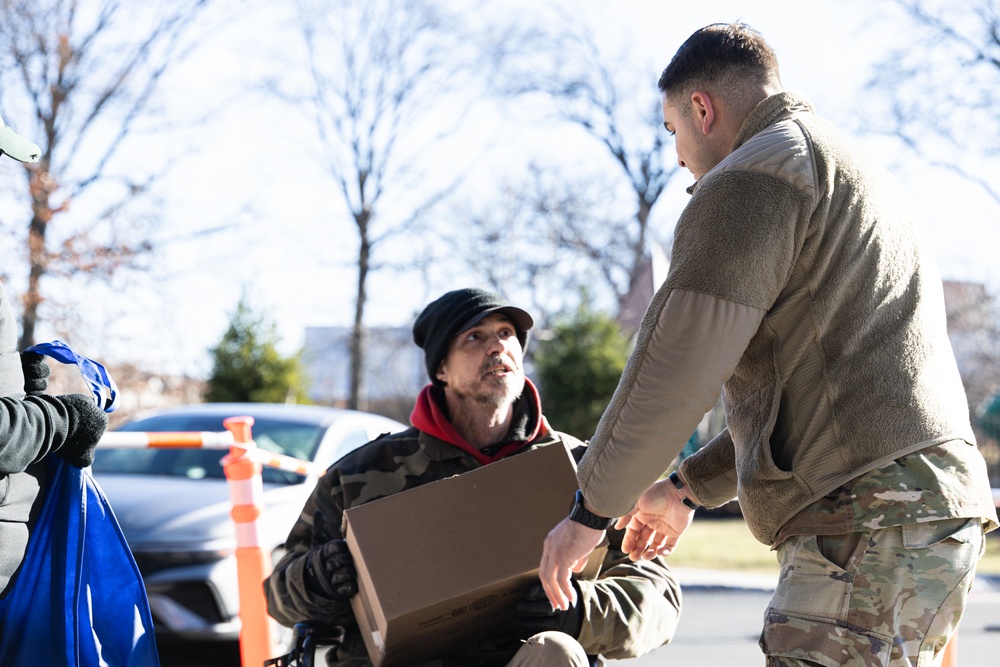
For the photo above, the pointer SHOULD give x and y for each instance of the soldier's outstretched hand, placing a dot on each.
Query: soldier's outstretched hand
(656, 523)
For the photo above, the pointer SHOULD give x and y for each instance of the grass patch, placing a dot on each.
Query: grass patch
(727, 544)
(723, 544)
(990, 563)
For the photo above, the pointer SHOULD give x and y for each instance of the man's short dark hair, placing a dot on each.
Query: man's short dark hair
(717, 52)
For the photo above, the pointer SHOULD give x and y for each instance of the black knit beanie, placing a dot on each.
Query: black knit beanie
(458, 311)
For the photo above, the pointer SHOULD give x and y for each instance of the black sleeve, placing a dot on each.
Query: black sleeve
(30, 428)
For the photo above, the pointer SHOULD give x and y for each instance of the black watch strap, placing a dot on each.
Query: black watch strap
(583, 516)
(675, 479)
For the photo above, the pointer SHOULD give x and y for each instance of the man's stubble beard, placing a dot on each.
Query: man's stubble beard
(497, 392)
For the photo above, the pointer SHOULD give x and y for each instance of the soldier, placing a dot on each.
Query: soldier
(799, 281)
(478, 408)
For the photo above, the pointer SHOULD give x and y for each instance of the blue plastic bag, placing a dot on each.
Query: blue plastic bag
(79, 599)
(101, 384)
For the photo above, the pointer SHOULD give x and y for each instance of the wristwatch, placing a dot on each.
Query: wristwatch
(583, 516)
(675, 479)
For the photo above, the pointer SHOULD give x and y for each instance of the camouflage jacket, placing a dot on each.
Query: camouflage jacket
(632, 608)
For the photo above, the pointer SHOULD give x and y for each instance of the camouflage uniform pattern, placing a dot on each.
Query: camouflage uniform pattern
(939, 482)
(878, 572)
(894, 601)
(631, 609)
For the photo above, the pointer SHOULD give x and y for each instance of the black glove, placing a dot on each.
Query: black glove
(85, 428)
(534, 614)
(331, 570)
(36, 373)
(331, 565)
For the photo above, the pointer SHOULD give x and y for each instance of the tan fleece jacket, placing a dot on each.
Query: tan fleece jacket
(800, 284)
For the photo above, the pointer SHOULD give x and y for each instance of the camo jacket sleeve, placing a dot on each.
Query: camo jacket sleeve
(295, 589)
(632, 608)
(292, 593)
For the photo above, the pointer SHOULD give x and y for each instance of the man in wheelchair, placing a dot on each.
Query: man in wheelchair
(478, 408)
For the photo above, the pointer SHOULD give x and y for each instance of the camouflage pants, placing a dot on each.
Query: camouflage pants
(886, 597)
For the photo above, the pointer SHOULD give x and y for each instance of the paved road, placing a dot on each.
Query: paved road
(719, 627)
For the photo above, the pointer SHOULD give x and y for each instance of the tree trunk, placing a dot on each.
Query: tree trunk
(642, 218)
(358, 399)
(41, 214)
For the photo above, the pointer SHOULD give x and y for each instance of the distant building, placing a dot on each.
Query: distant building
(394, 368)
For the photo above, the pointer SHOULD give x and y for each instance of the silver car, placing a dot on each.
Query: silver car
(173, 504)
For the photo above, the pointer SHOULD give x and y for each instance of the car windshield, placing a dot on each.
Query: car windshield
(299, 440)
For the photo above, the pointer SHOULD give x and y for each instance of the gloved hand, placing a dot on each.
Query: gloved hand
(534, 614)
(331, 565)
(36, 373)
(332, 570)
(86, 426)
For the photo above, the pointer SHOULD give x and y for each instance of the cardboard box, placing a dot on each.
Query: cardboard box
(444, 564)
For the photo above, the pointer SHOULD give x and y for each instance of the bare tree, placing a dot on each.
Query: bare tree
(943, 87)
(590, 91)
(545, 239)
(508, 248)
(86, 74)
(974, 328)
(506, 245)
(381, 76)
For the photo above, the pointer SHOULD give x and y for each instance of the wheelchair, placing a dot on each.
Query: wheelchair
(307, 638)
